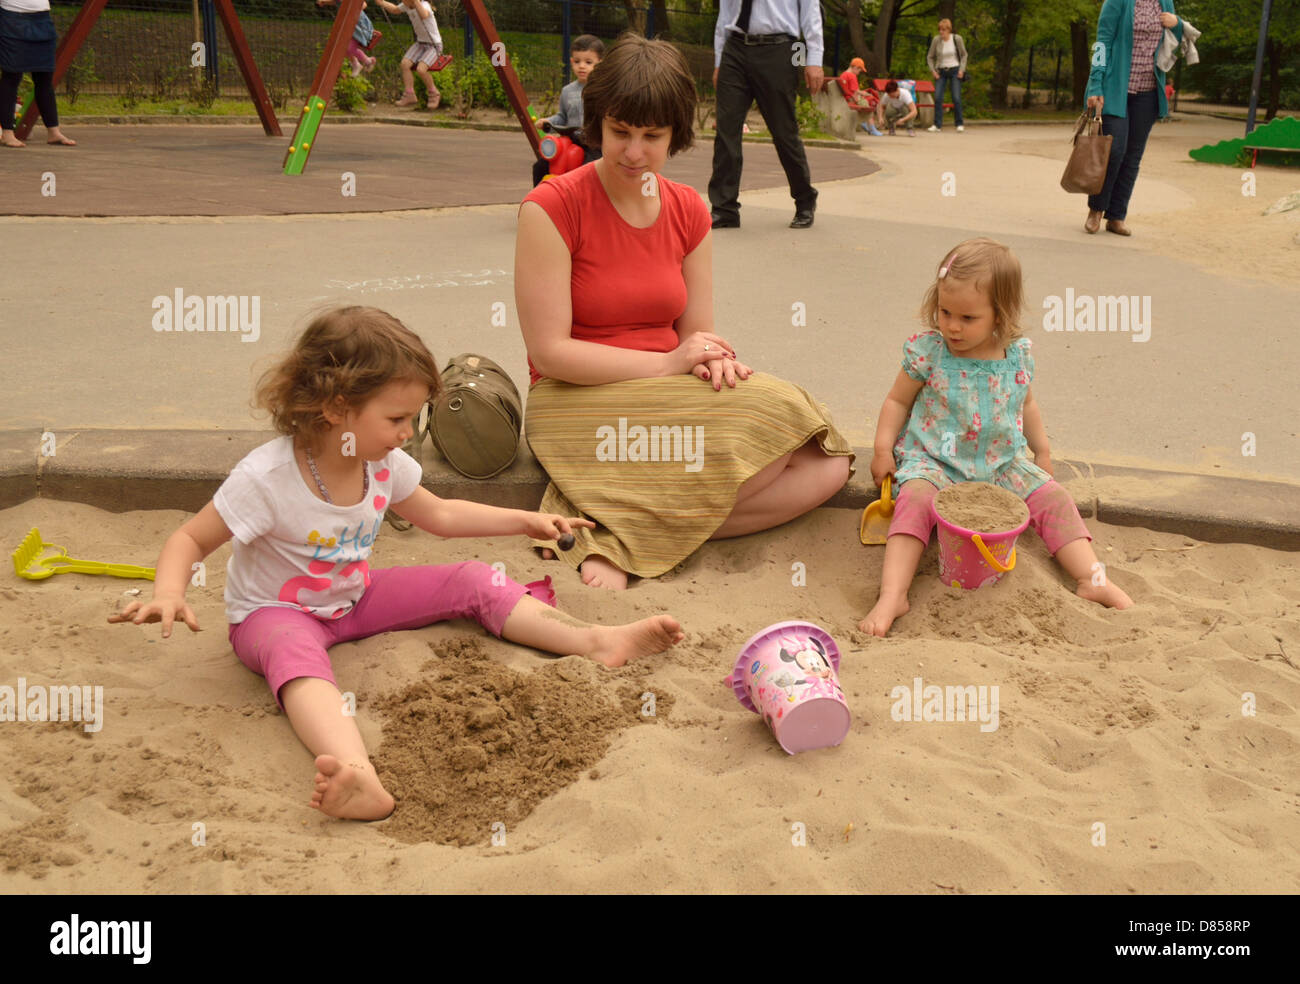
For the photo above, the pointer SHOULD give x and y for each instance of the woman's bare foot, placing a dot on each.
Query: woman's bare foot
(1105, 593)
(350, 792)
(597, 572)
(7, 139)
(881, 618)
(616, 644)
(57, 138)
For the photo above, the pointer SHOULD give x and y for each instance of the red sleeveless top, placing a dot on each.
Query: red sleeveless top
(627, 288)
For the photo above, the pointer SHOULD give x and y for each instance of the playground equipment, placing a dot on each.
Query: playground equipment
(558, 147)
(327, 73)
(1281, 135)
(85, 20)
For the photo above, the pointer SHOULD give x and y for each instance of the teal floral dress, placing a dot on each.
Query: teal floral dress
(966, 424)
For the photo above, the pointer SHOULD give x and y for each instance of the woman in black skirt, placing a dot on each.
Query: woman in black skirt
(27, 45)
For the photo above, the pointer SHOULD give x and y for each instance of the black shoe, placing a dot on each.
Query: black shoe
(803, 218)
(726, 221)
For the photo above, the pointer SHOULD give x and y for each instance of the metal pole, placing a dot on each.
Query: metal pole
(565, 29)
(835, 54)
(650, 21)
(198, 36)
(1259, 65)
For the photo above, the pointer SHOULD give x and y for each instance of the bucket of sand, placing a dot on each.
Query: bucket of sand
(978, 524)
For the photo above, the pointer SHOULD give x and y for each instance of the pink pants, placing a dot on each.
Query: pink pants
(1052, 514)
(283, 644)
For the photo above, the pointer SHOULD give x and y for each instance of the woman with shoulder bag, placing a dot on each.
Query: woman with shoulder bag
(1128, 90)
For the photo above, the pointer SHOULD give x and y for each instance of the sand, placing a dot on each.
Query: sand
(1132, 720)
(981, 507)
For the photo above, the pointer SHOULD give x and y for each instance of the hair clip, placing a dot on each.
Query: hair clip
(943, 272)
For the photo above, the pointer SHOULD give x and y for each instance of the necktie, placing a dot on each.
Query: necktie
(746, 6)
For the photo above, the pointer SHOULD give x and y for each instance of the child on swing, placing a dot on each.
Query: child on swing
(422, 54)
(359, 43)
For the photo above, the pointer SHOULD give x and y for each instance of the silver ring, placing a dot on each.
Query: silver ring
(707, 347)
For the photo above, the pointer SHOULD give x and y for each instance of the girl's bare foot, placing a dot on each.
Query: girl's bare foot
(616, 644)
(350, 792)
(880, 618)
(1105, 593)
(597, 572)
(57, 138)
(9, 140)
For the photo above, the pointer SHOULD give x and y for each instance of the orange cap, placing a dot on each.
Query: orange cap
(859, 64)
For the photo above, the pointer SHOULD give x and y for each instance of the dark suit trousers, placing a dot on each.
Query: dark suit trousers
(762, 73)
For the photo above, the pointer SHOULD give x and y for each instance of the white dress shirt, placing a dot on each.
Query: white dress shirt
(798, 18)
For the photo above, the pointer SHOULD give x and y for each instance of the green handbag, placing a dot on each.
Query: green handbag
(477, 420)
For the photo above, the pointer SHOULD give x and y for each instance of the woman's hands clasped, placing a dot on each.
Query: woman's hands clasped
(711, 357)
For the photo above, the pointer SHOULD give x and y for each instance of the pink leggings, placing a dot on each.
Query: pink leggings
(283, 644)
(1052, 514)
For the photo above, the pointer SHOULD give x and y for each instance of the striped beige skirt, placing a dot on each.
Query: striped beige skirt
(657, 462)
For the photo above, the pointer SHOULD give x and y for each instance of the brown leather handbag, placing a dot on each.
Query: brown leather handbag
(1085, 171)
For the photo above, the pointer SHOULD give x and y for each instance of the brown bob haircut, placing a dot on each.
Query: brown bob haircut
(642, 83)
(341, 360)
(992, 268)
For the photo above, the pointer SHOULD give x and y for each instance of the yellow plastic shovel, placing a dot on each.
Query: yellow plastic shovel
(876, 517)
(29, 563)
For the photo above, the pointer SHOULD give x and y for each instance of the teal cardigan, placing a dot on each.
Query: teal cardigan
(1115, 35)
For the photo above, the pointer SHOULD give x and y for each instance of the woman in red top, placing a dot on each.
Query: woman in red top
(627, 411)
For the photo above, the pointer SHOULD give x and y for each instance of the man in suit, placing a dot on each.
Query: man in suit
(758, 56)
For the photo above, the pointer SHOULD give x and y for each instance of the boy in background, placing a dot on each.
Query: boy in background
(584, 54)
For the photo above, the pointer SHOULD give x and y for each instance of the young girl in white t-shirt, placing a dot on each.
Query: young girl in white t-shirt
(304, 511)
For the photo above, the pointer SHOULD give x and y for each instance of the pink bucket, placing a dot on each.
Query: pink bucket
(788, 674)
(974, 559)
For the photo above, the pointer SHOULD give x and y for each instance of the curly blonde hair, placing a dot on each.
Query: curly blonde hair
(341, 359)
(992, 268)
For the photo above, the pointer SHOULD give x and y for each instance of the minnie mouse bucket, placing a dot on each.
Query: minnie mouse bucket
(787, 673)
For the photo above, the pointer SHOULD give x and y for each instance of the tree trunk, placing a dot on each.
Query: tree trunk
(877, 58)
(635, 16)
(896, 8)
(1029, 77)
(1008, 25)
(948, 9)
(1273, 52)
(1080, 62)
(662, 29)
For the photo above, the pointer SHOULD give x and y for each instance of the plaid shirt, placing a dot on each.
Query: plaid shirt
(1146, 38)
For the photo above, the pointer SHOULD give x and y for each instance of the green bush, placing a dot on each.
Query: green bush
(811, 122)
(350, 93)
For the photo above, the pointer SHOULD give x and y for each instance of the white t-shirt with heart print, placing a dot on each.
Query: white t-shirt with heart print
(291, 549)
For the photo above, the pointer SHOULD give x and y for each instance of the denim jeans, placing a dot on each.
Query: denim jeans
(1130, 140)
(947, 78)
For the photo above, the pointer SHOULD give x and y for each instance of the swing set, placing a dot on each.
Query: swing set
(327, 72)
